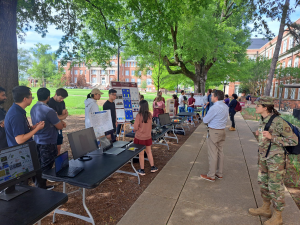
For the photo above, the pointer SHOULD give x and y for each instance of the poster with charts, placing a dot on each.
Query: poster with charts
(127, 101)
(101, 122)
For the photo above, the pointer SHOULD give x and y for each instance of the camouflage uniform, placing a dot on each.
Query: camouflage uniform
(272, 168)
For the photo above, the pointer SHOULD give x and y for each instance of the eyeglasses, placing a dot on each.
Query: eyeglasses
(30, 97)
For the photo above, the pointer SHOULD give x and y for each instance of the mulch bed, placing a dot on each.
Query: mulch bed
(112, 198)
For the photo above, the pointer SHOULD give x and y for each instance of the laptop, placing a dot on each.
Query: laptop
(120, 144)
(62, 168)
(164, 119)
(108, 147)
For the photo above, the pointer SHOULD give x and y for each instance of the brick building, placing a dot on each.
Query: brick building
(265, 48)
(97, 76)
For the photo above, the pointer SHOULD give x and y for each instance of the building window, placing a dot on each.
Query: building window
(81, 72)
(291, 44)
(140, 73)
(111, 79)
(283, 65)
(299, 93)
(112, 72)
(236, 89)
(102, 72)
(126, 64)
(296, 62)
(126, 72)
(71, 72)
(149, 81)
(270, 54)
(132, 73)
(284, 46)
(93, 80)
(75, 80)
(76, 65)
(272, 88)
(113, 63)
(267, 54)
(139, 82)
(85, 72)
(149, 72)
(132, 80)
(81, 64)
(276, 90)
(132, 64)
(289, 63)
(93, 71)
(286, 90)
(103, 80)
(293, 91)
(75, 72)
(126, 80)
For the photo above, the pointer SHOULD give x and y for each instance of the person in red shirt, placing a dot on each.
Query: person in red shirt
(191, 105)
(143, 127)
(158, 108)
(176, 104)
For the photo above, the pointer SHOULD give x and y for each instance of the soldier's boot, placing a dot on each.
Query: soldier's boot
(276, 219)
(264, 210)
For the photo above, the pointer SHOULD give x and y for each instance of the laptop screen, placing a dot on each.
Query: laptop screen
(61, 162)
(105, 143)
(164, 119)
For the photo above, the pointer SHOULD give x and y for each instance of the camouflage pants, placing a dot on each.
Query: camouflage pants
(270, 179)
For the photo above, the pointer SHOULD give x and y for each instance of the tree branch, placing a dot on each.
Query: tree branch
(96, 7)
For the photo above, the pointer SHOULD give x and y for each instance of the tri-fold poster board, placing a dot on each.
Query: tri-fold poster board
(127, 101)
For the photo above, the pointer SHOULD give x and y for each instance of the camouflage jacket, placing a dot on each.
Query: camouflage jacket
(282, 135)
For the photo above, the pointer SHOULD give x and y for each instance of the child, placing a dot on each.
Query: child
(142, 127)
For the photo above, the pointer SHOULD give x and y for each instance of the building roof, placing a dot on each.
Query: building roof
(257, 43)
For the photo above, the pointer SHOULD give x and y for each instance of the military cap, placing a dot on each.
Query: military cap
(265, 100)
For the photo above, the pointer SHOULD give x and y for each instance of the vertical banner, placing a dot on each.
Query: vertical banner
(127, 101)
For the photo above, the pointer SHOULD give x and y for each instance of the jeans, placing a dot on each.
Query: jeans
(232, 118)
(181, 109)
(191, 109)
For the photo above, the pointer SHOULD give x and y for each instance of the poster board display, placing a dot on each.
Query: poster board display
(170, 107)
(127, 101)
(199, 99)
(101, 122)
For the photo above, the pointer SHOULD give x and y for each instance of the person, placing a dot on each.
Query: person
(191, 105)
(175, 104)
(205, 101)
(57, 103)
(271, 167)
(110, 105)
(226, 100)
(232, 111)
(209, 101)
(248, 98)
(181, 102)
(141, 97)
(158, 108)
(160, 93)
(216, 118)
(17, 127)
(242, 98)
(142, 127)
(91, 105)
(46, 138)
(3, 142)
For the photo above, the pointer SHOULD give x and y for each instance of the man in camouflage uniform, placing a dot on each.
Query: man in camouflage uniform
(272, 166)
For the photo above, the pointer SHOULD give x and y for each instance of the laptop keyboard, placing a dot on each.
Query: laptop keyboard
(70, 171)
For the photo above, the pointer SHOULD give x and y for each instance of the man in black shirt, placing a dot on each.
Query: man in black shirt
(110, 105)
(3, 142)
(57, 103)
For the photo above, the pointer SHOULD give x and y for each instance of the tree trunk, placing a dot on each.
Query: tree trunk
(277, 48)
(8, 48)
(197, 80)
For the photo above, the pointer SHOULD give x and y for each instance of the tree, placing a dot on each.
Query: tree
(144, 84)
(43, 66)
(81, 82)
(24, 63)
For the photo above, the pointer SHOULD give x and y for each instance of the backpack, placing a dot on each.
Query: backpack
(248, 97)
(238, 107)
(292, 150)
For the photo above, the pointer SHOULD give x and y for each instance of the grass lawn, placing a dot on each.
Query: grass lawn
(75, 100)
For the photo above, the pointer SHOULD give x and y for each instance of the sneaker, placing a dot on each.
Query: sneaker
(49, 187)
(153, 169)
(205, 177)
(219, 177)
(52, 181)
(161, 141)
(141, 172)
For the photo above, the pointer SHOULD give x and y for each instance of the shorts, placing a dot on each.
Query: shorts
(60, 137)
(143, 142)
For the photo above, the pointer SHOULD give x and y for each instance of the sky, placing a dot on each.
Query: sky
(54, 36)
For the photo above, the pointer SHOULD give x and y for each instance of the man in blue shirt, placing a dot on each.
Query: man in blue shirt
(46, 138)
(3, 142)
(17, 127)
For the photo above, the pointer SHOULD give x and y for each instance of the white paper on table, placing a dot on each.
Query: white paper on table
(120, 115)
(101, 122)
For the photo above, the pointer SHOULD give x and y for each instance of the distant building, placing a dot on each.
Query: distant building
(265, 48)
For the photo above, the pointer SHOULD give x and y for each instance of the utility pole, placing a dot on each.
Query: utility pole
(119, 58)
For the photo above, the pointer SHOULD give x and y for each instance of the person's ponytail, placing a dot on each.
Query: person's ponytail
(271, 109)
(88, 96)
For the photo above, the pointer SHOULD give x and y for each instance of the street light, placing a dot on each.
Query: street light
(224, 84)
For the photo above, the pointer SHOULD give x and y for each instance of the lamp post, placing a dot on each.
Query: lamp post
(119, 57)
(224, 84)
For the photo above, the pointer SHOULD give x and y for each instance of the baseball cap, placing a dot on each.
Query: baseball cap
(265, 100)
(96, 91)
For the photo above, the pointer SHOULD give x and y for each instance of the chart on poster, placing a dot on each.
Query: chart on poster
(127, 101)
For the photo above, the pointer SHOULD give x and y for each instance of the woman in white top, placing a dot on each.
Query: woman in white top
(91, 105)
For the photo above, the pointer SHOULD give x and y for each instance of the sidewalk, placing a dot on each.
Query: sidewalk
(177, 196)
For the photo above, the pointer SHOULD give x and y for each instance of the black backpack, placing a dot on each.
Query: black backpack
(293, 150)
(248, 97)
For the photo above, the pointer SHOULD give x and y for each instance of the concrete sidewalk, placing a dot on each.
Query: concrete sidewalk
(178, 196)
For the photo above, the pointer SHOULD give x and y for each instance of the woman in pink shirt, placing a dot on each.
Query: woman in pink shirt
(143, 127)
(158, 108)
